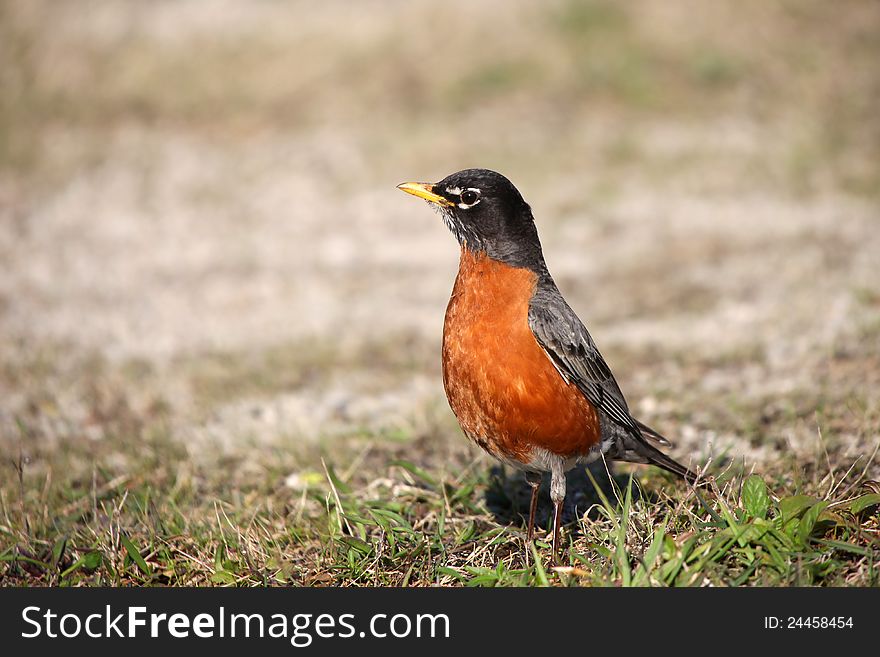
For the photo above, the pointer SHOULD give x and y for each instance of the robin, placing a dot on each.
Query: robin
(521, 373)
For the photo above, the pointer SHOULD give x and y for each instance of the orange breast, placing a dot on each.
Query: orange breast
(502, 387)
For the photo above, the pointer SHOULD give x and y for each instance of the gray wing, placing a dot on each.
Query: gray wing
(566, 341)
(569, 346)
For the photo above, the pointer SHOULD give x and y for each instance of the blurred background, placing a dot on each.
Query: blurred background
(207, 271)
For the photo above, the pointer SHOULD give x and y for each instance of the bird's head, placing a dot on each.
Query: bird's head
(486, 213)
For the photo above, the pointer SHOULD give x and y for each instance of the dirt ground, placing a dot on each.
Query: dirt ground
(199, 225)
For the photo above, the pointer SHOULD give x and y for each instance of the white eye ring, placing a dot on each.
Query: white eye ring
(472, 195)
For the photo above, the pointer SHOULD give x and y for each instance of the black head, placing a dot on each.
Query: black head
(486, 213)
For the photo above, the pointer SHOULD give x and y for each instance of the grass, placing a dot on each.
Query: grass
(413, 530)
(407, 511)
(122, 500)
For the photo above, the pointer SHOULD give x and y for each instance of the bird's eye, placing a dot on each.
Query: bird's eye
(469, 197)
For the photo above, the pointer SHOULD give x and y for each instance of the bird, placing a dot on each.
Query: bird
(521, 372)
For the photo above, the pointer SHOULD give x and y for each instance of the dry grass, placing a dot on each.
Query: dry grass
(219, 322)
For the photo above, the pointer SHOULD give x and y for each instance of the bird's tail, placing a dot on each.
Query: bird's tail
(651, 455)
(650, 434)
(656, 457)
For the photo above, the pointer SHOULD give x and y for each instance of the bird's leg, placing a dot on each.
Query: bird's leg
(557, 521)
(557, 495)
(533, 479)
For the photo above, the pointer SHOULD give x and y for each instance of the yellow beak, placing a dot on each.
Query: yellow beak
(423, 190)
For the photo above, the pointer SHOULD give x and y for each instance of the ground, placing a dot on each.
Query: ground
(220, 322)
